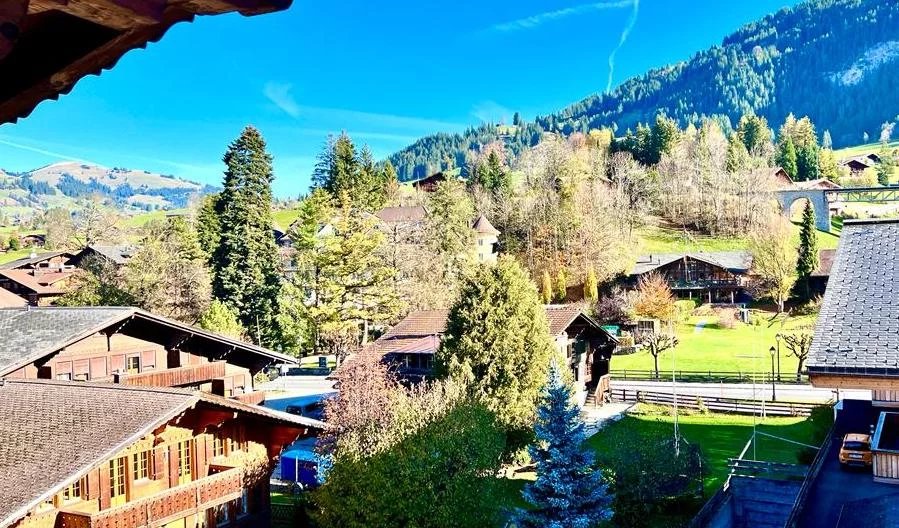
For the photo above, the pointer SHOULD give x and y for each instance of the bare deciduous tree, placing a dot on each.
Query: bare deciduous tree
(656, 343)
(799, 343)
(774, 260)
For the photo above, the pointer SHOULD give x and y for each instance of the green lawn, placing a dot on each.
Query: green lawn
(284, 217)
(719, 436)
(710, 347)
(654, 239)
(13, 255)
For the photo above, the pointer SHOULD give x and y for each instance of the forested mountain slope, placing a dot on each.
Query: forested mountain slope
(836, 61)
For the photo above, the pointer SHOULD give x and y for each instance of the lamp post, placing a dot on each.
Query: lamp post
(777, 337)
(773, 386)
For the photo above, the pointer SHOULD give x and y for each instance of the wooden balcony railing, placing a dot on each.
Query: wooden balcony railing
(198, 495)
(189, 375)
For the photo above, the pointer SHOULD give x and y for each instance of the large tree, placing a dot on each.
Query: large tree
(342, 281)
(497, 342)
(568, 492)
(342, 169)
(807, 261)
(786, 158)
(245, 262)
(774, 260)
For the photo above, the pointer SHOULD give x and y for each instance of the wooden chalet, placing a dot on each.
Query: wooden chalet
(128, 346)
(51, 260)
(47, 46)
(91, 455)
(858, 164)
(411, 345)
(39, 286)
(713, 277)
(115, 255)
(429, 183)
(856, 336)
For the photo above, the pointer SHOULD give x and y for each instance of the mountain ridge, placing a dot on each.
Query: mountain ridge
(786, 62)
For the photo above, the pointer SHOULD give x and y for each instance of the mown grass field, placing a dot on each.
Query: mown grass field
(654, 239)
(719, 436)
(704, 345)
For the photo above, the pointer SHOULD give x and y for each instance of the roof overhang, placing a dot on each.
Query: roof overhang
(47, 46)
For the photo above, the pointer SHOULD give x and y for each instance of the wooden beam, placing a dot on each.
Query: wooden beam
(12, 13)
(835, 381)
(120, 15)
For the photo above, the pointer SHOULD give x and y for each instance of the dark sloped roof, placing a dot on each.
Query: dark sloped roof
(54, 432)
(117, 254)
(858, 327)
(58, 43)
(483, 226)
(734, 261)
(32, 333)
(31, 260)
(405, 214)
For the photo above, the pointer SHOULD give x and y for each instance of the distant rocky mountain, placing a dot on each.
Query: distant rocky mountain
(836, 61)
(66, 183)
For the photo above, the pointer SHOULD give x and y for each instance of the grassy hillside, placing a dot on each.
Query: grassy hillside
(666, 240)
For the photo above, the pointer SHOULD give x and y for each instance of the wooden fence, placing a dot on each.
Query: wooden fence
(711, 403)
(706, 376)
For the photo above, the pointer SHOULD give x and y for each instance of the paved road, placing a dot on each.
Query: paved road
(803, 393)
(296, 390)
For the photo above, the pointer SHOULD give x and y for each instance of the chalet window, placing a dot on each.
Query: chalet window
(117, 481)
(132, 365)
(184, 462)
(141, 465)
(73, 492)
(82, 377)
(218, 444)
(64, 376)
(222, 515)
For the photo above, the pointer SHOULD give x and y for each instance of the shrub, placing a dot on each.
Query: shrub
(727, 318)
(811, 307)
(685, 307)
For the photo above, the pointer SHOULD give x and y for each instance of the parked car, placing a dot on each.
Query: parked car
(856, 450)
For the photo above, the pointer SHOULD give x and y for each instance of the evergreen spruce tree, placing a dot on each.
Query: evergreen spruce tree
(561, 292)
(568, 492)
(546, 288)
(808, 247)
(344, 170)
(807, 163)
(496, 332)
(245, 262)
(786, 157)
(591, 288)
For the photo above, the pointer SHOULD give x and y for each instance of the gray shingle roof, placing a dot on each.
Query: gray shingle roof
(117, 254)
(32, 333)
(735, 261)
(54, 432)
(29, 333)
(858, 327)
(29, 260)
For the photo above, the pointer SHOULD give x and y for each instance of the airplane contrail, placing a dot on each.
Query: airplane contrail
(625, 33)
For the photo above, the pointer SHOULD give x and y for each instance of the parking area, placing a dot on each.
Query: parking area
(836, 490)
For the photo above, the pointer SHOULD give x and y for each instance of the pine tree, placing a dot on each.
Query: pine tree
(245, 262)
(568, 492)
(222, 320)
(737, 156)
(546, 288)
(561, 291)
(786, 157)
(807, 167)
(591, 289)
(342, 169)
(497, 331)
(808, 247)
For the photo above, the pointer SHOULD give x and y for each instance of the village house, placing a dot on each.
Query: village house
(39, 286)
(713, 277)
(90, 455)
(411, 345)
(51, 260)
(855, 347)
(128, 346)
(858, 164)
(486, 239)
(116, 255)
(429, 183)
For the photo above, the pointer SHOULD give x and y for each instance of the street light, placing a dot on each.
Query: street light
(778, 337)
(773, 387)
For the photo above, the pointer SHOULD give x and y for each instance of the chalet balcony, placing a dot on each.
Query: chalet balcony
(174, 377)
(700, 284)
(169, 505)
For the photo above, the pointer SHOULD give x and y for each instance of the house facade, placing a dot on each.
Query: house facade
(712, 277)
(411, 345)
(89, 455)
(128, 346)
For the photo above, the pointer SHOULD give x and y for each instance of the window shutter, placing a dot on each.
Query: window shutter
(93, 485)
(117, 363)
(104, 486)
(173, 465)
(201, 455)
(159, 462)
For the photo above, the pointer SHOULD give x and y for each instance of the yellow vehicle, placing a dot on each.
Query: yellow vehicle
(856, 450)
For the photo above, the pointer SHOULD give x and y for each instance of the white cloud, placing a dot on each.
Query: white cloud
(491, 112)
(279, 94)
(539, 19)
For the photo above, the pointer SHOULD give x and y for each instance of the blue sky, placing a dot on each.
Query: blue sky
(386, 72)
